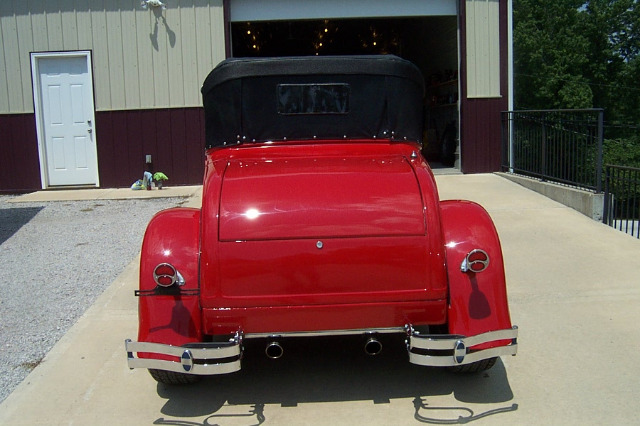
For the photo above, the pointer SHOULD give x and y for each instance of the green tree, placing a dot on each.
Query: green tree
(578, 54)
(611, 28)
(550, 53)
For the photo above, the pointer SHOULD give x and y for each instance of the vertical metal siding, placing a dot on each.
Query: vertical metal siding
(160, 59)
(25, 41)
(480, 121)
(483, 48)
(10, 58)
(189, 54)
(115, 61)
(141, 58)
(143, 77)
(84, 29)
(4, 89)
(100, 54)
(130, 57)
(70, 38)
(53, 26)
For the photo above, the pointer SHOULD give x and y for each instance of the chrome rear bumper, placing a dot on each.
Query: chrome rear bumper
(224, 357)
(453, 350)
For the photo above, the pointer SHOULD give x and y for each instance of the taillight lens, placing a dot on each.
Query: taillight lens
(165, 275)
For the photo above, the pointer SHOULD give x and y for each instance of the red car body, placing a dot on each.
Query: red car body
(305, 233)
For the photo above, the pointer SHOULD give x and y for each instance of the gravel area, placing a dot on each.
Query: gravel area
(57, 258)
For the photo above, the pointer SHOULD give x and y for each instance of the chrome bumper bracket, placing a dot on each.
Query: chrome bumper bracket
(434, 350)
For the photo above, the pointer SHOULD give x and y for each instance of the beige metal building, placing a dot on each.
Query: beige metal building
(94, 92)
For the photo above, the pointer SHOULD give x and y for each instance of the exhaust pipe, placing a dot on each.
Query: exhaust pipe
(372, 346)
(274, 350)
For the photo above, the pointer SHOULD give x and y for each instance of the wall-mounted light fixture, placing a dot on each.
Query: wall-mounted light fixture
(153, 3)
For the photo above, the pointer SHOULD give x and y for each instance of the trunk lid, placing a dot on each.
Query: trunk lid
(318, 198)
(320, 231)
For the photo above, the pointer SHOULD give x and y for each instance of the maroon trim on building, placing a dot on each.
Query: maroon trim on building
(19, 158)
(480, 130)
(173, 137)
(481, 135)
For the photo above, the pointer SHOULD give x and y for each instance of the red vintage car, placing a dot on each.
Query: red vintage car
(319, 217)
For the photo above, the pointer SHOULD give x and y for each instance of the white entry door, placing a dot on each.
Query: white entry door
(63, 92)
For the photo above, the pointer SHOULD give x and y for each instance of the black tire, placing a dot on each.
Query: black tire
(173, 378)
(474, 367)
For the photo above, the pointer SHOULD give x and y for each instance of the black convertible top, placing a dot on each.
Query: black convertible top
(316, 97)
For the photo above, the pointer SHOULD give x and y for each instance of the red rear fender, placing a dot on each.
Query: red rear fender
(478, 300)
(172, 237)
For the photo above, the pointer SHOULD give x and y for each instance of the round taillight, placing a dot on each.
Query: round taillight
(165, 275)
(475, 261)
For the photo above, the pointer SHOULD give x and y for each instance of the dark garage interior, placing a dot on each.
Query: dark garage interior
(429, 42)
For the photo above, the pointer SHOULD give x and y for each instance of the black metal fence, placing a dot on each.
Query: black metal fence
(622, 199)
(563, 146)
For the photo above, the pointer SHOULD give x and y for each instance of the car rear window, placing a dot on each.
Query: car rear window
(325, 98)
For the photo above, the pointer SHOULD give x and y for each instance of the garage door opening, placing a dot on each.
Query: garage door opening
(429, 42)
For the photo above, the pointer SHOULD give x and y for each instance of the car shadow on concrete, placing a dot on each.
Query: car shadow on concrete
(12, 219)
(336, 369)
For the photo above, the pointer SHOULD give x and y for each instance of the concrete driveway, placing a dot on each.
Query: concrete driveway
(574, 288)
